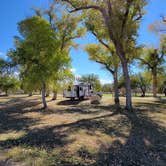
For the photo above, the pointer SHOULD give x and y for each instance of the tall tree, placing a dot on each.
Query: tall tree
(7, 79)
(37, 52)
(9, 82)
(66, 28)
(101, 55)
(153, 60)
(141, 81)
(121, 20)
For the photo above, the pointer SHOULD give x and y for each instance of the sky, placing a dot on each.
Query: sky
(12, 11)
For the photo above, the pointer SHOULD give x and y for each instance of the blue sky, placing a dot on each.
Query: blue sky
(12, 11)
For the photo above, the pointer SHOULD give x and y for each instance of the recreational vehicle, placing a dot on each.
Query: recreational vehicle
(79, 91)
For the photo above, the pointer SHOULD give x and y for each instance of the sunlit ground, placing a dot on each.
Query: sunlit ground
(78, 133)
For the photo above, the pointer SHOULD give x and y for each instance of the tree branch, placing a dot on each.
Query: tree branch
(145, 62)
(100, 40)
(109, 7)
(106, 66)
(86, 7)
(82, 7)
(124, 20)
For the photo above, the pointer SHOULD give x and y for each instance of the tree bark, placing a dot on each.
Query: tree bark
(54, 95)
(6, 92)
(43, 95)
(143, 89)
(116, 92)
(165, 91)
(128, 86)
(47, 94)
(30, 94)
(154, 75)
(121, 54)
(143, 93)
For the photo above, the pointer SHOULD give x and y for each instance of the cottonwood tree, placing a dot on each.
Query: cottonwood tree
(142, 82)
(138, 81)
(9, 83)
(153, 60)
(66, 28)
(103, 56)
(38, 52)
(7, 79)
(121, 20)
(103, 53)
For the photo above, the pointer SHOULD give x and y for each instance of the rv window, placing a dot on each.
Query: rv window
(81, 89)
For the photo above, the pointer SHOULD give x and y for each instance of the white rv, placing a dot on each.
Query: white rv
(80, 91)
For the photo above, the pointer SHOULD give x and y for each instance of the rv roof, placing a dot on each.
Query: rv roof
(82, 83)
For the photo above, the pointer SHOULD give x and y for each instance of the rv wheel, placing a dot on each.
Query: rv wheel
(72, 99)
(81, 98)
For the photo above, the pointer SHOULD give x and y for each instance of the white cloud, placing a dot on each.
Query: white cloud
(105, 81)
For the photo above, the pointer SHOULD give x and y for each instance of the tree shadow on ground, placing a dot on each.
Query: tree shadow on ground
(71, 102)
(10, 115)
(51, 137)
(145, 144)
(81, 109)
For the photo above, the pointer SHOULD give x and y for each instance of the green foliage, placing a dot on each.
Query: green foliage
(153, 59)
(116, 20)
(161, 82)
(3, 65)
(61, 80)
(140, 80)
(102, 55)
(8, 82)
(38, 52)
(93, 79)
(66, 28)
(107, 88)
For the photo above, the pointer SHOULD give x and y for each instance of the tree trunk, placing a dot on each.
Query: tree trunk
(116, 92)
(47, 94)
(6, 92)
(30, 94)
(143, 93)
(143, 89)
(121, 54)
(165, 91)
(128, 86)
(154, 75)
(43, 95)
(54, 95)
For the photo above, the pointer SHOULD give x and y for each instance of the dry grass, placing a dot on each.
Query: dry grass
(78, 133)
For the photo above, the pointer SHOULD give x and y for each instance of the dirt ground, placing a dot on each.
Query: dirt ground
(77, 133)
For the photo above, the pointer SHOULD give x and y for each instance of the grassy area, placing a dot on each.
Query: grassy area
(78, 133)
